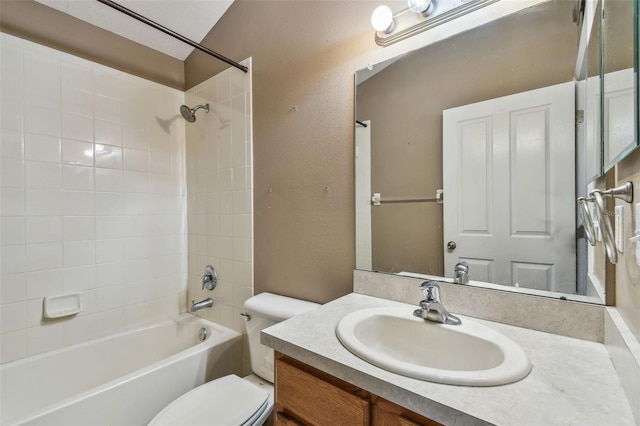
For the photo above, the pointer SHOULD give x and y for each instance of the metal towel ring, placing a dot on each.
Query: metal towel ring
(605, 226)
(587, 220)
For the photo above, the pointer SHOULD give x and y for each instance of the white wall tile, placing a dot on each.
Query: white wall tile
(108, 251)
(108, 156)
(77, 101)
(88, 300)
(81, 203)
(41, 63)
(11, 115)
(43, 175)
(133, 136)
(110, 204)
(106, 80)
(12, 230)
(42, 148)
(13, 316)
(108, 274)
(42, 202)
(40, 120)
(42, 91)
(44, 283)
(45, 338)
(136, 315)
(136, 181)
(42, 257)
(13, 288)
(136, 160)
(13, 346)
(109, 227)
(43, 229)
(79, 253)
(12, 202)
(78, 178)
(79, 228)
(11, 173)
(110, 321)
(79, 278)
(107, 108)
(77, 152)
(13, 259)
(108, 132)
(77, 73)
(35, 312)
(109, 180)
(75, 126)
(110, 297)
(11, 144)
(80, 329)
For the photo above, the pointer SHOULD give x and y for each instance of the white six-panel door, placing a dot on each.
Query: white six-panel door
(509, 196)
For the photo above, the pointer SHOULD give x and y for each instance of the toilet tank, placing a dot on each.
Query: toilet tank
(265, 310)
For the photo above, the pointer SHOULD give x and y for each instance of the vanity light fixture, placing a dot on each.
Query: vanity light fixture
(382, 19)
(419, 16)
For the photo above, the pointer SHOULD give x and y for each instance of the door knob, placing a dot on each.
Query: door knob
(451, 245)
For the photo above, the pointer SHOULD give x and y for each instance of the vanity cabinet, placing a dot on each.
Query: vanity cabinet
(307, 396)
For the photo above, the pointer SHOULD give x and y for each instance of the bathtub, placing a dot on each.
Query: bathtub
(123, 379)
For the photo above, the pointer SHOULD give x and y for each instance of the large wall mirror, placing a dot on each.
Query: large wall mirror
(488, 116)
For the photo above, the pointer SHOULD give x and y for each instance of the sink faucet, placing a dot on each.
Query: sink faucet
(431, 308)
(206, 303)
(461, 273)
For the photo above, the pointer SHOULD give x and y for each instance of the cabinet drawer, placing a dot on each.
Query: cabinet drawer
(316, 402)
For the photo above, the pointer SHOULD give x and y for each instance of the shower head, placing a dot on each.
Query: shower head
(189, 114)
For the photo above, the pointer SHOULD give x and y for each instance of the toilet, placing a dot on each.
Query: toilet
(232, 400)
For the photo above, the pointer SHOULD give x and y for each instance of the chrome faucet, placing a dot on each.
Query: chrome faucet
(206, 303)
(461, 273)
(431, 308)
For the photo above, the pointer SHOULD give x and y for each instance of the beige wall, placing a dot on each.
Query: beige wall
(303, 64)
(405, 103)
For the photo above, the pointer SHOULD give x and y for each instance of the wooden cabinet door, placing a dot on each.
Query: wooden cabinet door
(306, 399)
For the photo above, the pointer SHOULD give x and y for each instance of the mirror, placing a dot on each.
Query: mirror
(488, 115)
(618, 106)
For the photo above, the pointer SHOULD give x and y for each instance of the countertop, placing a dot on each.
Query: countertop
(572, 381)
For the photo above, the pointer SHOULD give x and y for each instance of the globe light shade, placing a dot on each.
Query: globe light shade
(382, 19)
(421, 7)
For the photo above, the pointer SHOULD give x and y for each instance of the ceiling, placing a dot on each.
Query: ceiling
(190, 18)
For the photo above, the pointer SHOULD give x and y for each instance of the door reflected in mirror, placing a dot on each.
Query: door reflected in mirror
(619, 133)
(488, 115)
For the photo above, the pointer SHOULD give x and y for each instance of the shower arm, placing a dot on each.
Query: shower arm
(171, 33)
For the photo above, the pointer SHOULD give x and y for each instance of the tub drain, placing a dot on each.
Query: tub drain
(202, 334)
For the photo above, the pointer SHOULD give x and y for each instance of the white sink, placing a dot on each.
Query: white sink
(468, 354)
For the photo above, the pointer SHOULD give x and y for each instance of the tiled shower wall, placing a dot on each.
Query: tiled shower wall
(219, 177)
(93, 198)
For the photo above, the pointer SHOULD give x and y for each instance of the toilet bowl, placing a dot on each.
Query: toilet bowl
(232, 400)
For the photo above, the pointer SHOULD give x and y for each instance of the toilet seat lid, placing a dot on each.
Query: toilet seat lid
(228, 400)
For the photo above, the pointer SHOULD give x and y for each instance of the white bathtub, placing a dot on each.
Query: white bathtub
(124, 379)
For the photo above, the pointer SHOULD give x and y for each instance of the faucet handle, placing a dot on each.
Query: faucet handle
(462, 266)
(431, 291)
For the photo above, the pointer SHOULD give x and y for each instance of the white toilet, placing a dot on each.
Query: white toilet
(231, 400)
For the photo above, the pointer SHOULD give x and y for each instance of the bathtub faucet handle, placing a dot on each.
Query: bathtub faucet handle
(209, 278)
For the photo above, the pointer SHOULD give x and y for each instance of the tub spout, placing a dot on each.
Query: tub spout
(206, 303)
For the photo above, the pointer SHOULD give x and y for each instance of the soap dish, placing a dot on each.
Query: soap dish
(62, 306)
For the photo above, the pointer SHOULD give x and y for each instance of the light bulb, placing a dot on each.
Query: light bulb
(421, 7)
(382, 19)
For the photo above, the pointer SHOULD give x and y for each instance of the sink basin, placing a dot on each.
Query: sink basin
(468, 354)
